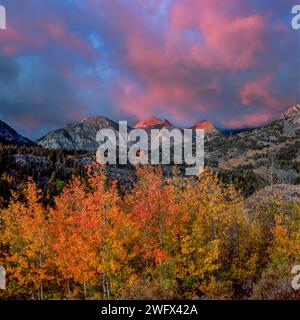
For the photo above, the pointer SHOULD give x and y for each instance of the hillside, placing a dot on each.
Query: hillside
(271, 151)
(10, 136)
(77, 136)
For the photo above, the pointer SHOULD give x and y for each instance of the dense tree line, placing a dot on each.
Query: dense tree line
(50, 169)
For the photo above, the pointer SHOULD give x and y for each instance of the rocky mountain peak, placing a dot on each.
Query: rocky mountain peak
(154, 123)
(292, 111)
(78, 136)
(98, 120)
(206, 125)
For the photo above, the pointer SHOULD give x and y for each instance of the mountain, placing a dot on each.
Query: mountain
(78, 136)
(272, 152)
(251, 159)
(9, 136)
(154, 123)
(293, 111)
(207, 126)
(277, 142)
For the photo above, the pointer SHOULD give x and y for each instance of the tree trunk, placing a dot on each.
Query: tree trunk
(105, 285)
(84, 289)
(42, 290)
(68, 288)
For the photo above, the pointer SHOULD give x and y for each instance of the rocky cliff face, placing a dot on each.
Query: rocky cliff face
(77, 136)
(9, 136)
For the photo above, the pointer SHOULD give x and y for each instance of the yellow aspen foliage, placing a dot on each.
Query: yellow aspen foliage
(283, 254)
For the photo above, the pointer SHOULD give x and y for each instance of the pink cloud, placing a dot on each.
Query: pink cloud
(231, 40)
(252, 120)
(42, 35)
(176, 73)
(259, 92)
(183, 59)
(16, 41)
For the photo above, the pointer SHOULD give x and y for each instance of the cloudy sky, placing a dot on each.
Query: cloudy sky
(234, 62)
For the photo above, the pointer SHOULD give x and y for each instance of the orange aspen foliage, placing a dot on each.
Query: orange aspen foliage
(26, 234)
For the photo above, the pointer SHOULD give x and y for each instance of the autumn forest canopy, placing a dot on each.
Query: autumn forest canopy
(162, 238)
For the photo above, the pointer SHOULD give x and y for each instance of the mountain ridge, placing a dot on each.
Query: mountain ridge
(154, 123)
(8, 135)
(82, 135)
(77, 136)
